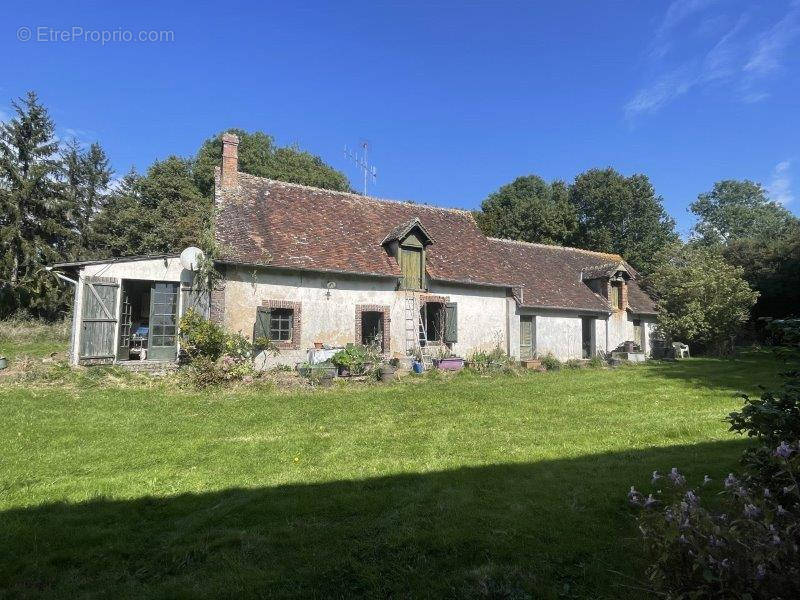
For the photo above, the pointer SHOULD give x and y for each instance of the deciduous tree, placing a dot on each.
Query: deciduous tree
(702, 299)
(620, 214)
(531, 210)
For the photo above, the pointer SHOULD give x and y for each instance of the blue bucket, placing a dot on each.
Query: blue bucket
(417, 367)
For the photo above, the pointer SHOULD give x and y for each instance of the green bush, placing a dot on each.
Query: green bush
(495, 360)
(550, 362)
(357, 359)
(206, 372)
(573, 363)
(747, 545)
(201, 337)
(596, 362)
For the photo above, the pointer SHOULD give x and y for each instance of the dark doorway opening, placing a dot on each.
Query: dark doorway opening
(587, 325)
(148, 324)
(372, 329)
(433, 316)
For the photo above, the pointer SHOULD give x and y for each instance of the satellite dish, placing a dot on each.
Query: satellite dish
(191, 257)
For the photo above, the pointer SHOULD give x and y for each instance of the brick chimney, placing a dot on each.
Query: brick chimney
(230, 161)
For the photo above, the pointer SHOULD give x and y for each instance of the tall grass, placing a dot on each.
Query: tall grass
(26, 329)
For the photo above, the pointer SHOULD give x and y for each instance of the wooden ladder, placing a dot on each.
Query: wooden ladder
(415, 325)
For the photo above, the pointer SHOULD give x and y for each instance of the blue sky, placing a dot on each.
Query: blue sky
(456, 99)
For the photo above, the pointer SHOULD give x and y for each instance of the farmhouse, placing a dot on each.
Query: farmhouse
(306, 266)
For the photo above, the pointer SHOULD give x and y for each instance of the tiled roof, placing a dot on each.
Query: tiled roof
(551, 275)
(272, 223)
(639, 302)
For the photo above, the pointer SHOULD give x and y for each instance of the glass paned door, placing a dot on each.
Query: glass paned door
(125, 322)
(163, 321)
(526, 337)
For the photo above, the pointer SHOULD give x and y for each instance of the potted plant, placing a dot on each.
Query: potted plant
(388, 371)
(449, 363)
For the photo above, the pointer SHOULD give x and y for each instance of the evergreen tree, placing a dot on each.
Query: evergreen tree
(159, 212)
(34, 213)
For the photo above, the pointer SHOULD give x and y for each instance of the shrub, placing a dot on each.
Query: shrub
(596, 362)
(206, 372)
(356, 358)
(747, 547)
(201, 337)
(550, 362)
(573, 363)
(489, 361)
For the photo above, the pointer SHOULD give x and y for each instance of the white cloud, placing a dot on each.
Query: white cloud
(780, 186)
(772, 44)
(738, 57)
(677, 12)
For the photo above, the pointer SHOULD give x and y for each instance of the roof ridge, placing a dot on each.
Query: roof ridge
(357, 196)
(556, 247)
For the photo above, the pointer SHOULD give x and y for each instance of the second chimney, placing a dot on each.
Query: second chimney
(230, 160)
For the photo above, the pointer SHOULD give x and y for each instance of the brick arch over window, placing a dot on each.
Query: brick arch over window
(380, 308)
(294, 343)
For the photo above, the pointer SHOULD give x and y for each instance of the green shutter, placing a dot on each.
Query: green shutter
(261, 326)
(451, 322)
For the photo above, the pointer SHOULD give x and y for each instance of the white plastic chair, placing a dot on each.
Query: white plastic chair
(681, 350)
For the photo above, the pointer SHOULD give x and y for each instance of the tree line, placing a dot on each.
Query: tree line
(742, 259)
(60, 202)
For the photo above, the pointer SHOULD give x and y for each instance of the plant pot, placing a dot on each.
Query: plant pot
(388, 373)
(318, 345)
(417, 367)
(531, 363)
(629, 346)
(454, 363)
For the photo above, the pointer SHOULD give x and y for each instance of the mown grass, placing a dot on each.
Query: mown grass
(477, 487)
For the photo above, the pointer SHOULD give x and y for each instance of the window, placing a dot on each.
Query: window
(280, 324)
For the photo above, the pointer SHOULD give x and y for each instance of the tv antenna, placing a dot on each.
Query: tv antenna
(362, 162)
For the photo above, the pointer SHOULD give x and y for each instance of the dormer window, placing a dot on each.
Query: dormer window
(609, 281)
(408, 244)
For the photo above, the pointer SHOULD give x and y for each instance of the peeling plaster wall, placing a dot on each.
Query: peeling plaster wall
(482, 317)
(158, 269)
(330, 318)
(559, 335)
(621, 330)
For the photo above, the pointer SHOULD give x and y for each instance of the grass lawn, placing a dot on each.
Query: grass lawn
(506, 487)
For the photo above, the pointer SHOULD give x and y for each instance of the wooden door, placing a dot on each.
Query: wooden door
(163, 341)
(99, 319)
(412, 268)
(637, 334)
(526, 346)
(125, 322)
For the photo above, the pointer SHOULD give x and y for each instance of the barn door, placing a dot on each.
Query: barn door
(99, 319)
(163, 344)
(125, 322)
